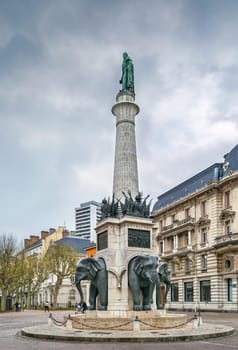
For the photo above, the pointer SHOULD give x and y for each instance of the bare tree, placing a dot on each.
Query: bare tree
(41, 273)
(61, 262)
(8, 249)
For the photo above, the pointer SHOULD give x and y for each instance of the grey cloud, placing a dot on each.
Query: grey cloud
(62, 65)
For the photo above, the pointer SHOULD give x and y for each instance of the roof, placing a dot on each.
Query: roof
(231, 160)
(36, 244)
(78, 244)
(213, 173)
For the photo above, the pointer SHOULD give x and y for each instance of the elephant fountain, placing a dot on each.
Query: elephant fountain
(94, 270)
(142, 279)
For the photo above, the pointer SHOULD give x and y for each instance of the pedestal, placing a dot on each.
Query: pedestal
(118, 241)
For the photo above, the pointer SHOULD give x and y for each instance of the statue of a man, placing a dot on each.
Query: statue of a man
(127, 79)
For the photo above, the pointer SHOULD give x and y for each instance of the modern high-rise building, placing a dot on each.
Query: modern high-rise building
(86, 218)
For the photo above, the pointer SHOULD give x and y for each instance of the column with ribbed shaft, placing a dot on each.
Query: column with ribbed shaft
(125, 165)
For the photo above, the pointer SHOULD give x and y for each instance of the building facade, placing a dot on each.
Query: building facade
(196, 227)
(37, 246)
(86, 218)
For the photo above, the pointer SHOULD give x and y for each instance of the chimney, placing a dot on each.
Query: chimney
(44, 234)
(26, 242)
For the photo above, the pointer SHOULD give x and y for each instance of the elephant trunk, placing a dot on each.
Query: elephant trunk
(158, 296)
(152, 277)
(78, 285)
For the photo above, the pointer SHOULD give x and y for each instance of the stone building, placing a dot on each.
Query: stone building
(196, 227)
(37, 246)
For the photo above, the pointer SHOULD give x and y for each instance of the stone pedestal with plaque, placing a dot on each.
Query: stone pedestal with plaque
(118, 241)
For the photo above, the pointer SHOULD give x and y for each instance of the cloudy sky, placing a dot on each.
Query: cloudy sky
(60, 65)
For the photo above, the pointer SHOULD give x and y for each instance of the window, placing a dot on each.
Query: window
(227, 227)
(188, 291)
(228, 264)
(174, 292)
(204, 262)
(229, 289)
(203, 208)
(187, 265)
(204, 235)
(186, 239)
(72, 279)
(187, 213)
(227, 199)
(160, 225)
(205, 291)
(72, 294)
(173, 267)
(173, 218)
(161, 247)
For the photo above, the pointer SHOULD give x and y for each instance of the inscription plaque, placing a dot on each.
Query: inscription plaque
(138, 238)
(102, 240)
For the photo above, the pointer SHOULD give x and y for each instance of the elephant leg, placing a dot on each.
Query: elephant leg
(93, 292)
(168, 285)
(102, 291)
(146, 292)
(158, 297)
(136, 299)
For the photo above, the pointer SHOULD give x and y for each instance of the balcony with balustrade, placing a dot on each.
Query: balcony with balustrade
(179, 226)
(226, 241)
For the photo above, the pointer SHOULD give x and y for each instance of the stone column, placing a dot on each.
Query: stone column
(163, 246)
(125, 164)
(189, 238)
(175, 243)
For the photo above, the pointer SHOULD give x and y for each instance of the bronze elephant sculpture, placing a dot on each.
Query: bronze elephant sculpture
(94, 270)
(142, 279)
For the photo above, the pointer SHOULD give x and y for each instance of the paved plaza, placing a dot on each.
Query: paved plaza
(12, 323)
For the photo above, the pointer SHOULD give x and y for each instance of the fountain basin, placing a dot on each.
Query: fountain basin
(127, 320)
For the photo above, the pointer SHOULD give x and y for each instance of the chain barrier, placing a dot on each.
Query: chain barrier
(158, 327)
(93, 327)
(58, 323)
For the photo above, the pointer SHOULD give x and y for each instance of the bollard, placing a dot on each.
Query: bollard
(136, 325)
(199, 318)
(197, 321)
(50, 321)
(69, 323)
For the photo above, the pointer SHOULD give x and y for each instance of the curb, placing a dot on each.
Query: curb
(184, 334)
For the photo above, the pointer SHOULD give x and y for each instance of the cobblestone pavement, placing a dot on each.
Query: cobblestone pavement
(12, 323)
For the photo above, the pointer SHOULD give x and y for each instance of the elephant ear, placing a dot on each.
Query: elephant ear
(138, 268)
(162, 268)
(94, 267)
